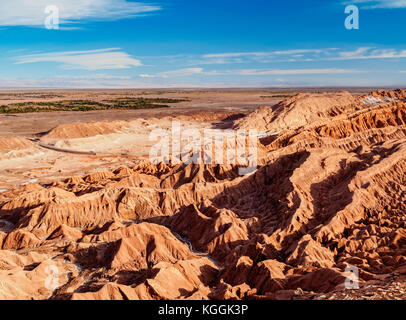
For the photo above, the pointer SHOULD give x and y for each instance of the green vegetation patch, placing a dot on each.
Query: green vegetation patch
(88, 105)
(278, 96)
(143, 101)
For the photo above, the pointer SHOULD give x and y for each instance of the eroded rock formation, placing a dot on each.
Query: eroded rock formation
(329, 192)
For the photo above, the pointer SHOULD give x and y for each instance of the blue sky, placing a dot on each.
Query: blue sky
(222, 43)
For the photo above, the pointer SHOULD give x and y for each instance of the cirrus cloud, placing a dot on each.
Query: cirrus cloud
(246, 72)
(100, 59)
(32, 13)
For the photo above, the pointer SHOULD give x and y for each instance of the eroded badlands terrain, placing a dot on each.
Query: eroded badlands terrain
(329, 192)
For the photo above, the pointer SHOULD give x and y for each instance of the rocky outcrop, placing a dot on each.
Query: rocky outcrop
(329, 192)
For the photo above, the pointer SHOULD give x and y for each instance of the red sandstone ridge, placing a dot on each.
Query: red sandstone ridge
(8, 144)
(302, 109)
(329, 192)
(81, 130)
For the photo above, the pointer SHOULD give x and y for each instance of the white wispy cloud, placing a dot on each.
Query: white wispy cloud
(265, 72)
(32, 13)
(264, 53)
(301, 51)
(174, 73)
(300, 55)
(98, 76)
(100, 59)
(378, 4)
(370, 53)
(264, 56)
(235, 55)
(246, 72)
